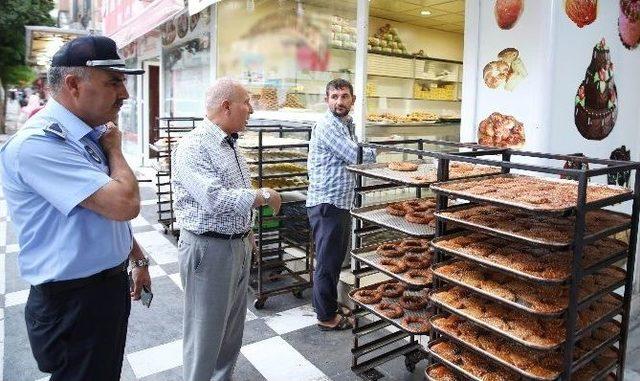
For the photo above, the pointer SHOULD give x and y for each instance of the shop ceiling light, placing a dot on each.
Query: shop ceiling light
(425, 12)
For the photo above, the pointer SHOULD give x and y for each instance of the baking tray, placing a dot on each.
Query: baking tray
(441, 188)
(606, 343)
(382, 172)
(518, 273)
(429, 378)
(579, 333)
(517, 305)
(427, 312)
(456, 368)
(377, 214)
(515, 236)
(252, 143)
(368, 255)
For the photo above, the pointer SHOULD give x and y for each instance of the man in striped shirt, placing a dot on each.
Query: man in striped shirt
(333, 146)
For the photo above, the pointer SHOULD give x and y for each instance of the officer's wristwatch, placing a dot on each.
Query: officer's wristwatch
(140, 262)
(265, 195)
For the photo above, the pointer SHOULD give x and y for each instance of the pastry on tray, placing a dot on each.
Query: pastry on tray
(530, 192)
(472, 363)
(540, 263)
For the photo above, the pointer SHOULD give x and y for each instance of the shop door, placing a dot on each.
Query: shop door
(154, 105)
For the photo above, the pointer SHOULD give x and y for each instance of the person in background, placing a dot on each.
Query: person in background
(70, 195)
(333, 146)
(214, 207)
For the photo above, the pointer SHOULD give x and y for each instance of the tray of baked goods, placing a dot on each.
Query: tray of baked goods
(252, 142)
(392, 301)
(536, 264)
(413, 217)
(534, 298)
(467, 364)
(530, 331)
(419, 173)
(280, 169)
(530, 363)
(270, 156)
(555, 232)
(282, 183)
(407, 260)
(535, 194)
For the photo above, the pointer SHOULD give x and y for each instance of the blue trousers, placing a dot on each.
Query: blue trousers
(331, 227)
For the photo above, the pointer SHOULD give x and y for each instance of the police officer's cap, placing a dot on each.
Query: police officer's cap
(92, 51)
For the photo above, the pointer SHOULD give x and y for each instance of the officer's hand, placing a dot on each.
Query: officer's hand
(111, 140)
(141, 277)
(275, 201)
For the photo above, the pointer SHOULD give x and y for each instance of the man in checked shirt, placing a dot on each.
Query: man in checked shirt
(213, 206)
(333, 146)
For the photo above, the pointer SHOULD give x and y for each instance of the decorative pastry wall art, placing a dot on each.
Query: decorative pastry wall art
(596, 108)
(581, 12)
(500, 130)
(506, 72)
(508, 12)
(629, 23)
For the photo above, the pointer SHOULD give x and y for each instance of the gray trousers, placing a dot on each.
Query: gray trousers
(215, 275)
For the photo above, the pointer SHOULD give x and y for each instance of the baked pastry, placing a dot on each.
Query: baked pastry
(581, 12)
(507, 12)
(596, 100)
(495, 74)
(500, 130)
(403, 166)
(629, 23)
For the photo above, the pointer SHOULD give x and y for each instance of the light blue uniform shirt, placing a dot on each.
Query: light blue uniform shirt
(45, 176)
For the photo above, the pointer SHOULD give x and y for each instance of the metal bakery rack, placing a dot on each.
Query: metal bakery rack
(276, 153)
(586, 251)
(378, 339)
(168, 132)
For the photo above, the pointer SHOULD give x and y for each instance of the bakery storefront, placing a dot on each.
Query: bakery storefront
(530, 273)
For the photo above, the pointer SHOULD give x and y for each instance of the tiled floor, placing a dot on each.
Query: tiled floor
(281, 342)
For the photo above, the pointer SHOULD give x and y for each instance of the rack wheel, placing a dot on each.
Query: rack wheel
(259, 303)
(298, 293)
(410, 364)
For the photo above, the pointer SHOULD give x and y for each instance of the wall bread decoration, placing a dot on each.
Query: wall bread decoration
(620, 178)
(629, 23)
(500, 130)
(596, 108)
(506, 72)
(581, 12)
(508, 12)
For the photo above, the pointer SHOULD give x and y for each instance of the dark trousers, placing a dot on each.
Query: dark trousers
(331, 228)
(79, 333)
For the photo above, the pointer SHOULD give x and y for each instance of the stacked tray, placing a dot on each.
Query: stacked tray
(378, 215)
(529, 363)
(424, 175)
(529, 263)
(536, 299)
(552, 232)
(545, 195)
(530, 331)
(370, 256)
(469, 365)
(422, 313)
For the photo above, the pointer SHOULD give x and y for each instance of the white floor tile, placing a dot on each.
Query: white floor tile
(44, 378)
(14, 248)
(264, 354)
(1, 313)
(250, 316)
(3, 209)
(3, 283)
(158, 227)
(292, 320)
(156, 271)
(157, 247)
(139, 221)
(148, 202)
(157, 359)
(176, 279)
(16, 298)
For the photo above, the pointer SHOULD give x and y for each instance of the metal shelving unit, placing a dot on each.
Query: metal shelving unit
(574, 330)
(283, 262)
(372, 229)
(168, 128)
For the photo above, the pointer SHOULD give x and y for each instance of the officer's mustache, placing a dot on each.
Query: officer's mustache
(119, 103)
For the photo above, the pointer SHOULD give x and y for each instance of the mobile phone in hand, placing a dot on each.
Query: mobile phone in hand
(146, 296)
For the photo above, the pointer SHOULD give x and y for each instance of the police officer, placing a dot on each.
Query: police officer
(70, 194)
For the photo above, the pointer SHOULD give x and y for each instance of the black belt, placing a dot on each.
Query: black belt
(52, 288)
(225, 236)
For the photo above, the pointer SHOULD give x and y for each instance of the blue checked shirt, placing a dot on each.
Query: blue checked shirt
(333, 146)
(211, 183)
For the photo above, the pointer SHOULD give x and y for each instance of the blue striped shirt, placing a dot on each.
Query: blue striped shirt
(333, 146)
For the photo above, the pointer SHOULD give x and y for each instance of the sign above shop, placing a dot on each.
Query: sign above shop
(196, 6)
